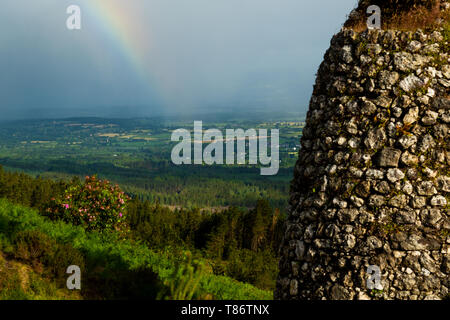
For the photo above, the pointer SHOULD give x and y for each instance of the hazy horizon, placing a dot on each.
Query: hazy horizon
(154, 57)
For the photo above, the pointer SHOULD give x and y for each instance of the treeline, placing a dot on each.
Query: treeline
(31, 192)
(238, 243)
(187, 186)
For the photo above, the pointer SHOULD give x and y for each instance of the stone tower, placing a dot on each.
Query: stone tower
(371, 186)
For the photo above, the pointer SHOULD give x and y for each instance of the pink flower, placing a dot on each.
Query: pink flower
(66, 206)
(120, 214)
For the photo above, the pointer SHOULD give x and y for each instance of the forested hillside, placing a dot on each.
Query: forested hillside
(136, 153)
(159, 244)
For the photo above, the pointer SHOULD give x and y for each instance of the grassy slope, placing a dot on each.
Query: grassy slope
(107, 250)
(18, 281)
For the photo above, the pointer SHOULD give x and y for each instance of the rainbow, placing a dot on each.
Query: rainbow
(119, 21)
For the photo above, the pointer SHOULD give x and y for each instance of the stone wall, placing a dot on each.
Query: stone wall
(372, 182)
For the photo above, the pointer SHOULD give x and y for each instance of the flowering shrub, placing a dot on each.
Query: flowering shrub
(95, 205)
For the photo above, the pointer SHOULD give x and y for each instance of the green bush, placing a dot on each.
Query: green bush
(32, 246)
(257, 268)
(95, 205)
(39, 250)
(185, 279)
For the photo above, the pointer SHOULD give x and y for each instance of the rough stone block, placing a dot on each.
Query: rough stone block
(388, 157)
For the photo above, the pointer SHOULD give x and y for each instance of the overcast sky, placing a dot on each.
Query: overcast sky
(162, 56)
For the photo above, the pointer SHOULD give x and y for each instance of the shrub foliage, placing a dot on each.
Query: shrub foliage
(94, 204)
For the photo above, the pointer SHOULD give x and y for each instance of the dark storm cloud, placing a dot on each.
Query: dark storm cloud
(204, 54)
